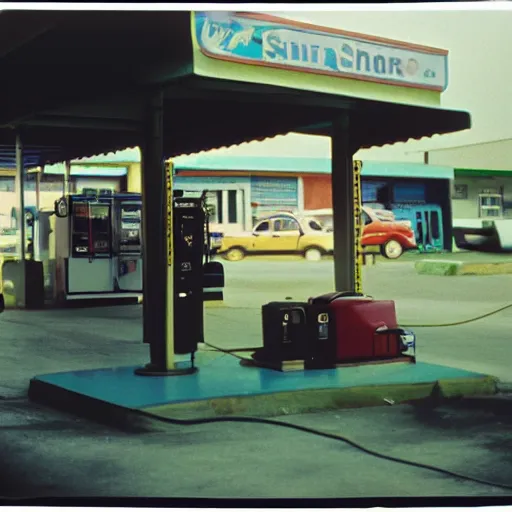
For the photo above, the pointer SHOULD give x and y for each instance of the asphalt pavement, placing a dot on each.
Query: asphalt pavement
(47, 453)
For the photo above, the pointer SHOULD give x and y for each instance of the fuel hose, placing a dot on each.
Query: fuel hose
(320, 433)
(329, 435)
(410, 326)
(462, 322)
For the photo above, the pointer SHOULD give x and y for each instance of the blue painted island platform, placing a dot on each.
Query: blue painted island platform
(224, 386)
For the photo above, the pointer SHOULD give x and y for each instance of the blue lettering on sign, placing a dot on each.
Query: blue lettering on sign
(379, 64)
(242, 37)
(360, 56)
(314, 53)
(294, 47)
(330, 59)
(277, 48)
(305, 53)
(395, 66)
(348, 60)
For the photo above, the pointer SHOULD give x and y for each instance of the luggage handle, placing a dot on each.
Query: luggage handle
(389, 332)
(400, 332)
(330, 297)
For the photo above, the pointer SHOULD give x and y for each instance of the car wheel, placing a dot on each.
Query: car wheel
(392, 250)
(234, 254)
(313, 254)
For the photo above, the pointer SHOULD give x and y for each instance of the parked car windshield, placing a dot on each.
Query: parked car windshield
(366, 218)
(285, 224)
(263, 226)
(324, 221)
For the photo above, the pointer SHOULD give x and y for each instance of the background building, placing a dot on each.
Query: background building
(482, 186)
(242, 187)
(247, 187)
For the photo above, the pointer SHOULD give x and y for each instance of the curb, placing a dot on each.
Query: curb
(93, 409)
(318, 400)
(438, 267)
(207, 303)
(267, 405)
(214, 304)
(461, 268)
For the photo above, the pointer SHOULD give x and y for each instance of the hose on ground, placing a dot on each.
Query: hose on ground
(410, 326)
(320, 433)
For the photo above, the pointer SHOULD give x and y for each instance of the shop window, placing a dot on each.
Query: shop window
(6, 184)
(409, 192)
(435, 225)
(232, 217)
(490, 205)
(460, 192)
(370, 190)
(220, 210)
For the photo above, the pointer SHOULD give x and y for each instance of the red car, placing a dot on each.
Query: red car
(392, 236)
(379, 228)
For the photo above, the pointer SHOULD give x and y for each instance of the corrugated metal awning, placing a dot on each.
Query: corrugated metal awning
(72, 114)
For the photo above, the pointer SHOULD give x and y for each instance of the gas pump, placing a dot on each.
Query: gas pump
(30, 284)
(189, 235)
(98, 246)
(98, 249)
(128, 250)
(31, 220)
(88, 267)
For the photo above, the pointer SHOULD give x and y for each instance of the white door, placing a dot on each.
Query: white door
(229, 214)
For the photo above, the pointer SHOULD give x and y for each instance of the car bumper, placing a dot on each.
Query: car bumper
(409, 243)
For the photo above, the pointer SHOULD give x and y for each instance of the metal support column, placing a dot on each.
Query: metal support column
(38, 188)
(67, 178)
(20, 221)
(342, 151)
(158, 289)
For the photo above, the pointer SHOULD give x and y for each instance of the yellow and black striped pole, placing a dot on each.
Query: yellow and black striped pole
(170, 268)
(358, 227)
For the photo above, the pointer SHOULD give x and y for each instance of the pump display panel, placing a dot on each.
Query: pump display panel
(91, 229)
(130, 236)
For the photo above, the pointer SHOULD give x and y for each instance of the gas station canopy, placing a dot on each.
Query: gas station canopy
(78, 84)
(75, 83)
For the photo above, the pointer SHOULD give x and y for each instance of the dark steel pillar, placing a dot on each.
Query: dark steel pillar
(20, 221)
(158, 276)
(67, 178)
(39, 174)
(342, 152)
(154, 234)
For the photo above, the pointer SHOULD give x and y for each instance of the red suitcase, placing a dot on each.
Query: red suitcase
(363, 328)
(358, 322)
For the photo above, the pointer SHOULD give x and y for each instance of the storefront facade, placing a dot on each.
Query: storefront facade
(287, 184)
(482, 184)
(481, 194)
(229, 197)
(241, 189)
